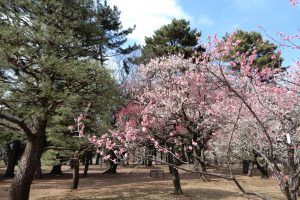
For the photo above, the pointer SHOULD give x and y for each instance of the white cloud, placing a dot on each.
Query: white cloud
(147, 15)
(206, 21)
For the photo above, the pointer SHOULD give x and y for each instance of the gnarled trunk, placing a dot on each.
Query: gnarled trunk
(20, 187)
(21, 183)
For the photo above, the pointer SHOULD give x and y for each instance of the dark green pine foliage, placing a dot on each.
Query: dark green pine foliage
(174, 38)
(251, 41)
(112, 35)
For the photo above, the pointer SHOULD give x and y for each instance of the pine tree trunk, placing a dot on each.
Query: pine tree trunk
(91, 159)
(20, 187)
(21, 183)
(87, 163)
(38, 171)
(56, 169)
(75, 170)
(13, 158)
(97, 158)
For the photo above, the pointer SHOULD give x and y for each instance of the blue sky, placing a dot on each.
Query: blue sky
(213, 16)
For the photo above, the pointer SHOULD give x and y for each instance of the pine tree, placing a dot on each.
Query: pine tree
(49, 53)
(250, 41)
(174, 38)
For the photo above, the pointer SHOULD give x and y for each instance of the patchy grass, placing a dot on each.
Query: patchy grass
(135, 183)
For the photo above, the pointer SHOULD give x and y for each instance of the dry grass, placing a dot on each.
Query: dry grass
(135, 184)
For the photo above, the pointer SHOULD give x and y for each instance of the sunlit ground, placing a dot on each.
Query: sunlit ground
(135, 183)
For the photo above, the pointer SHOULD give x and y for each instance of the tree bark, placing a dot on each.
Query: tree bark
(250, 169)
(149, 155)
(75, 170)
(88, 158)
(294, 183)
(112, 163)
(91, 158)
(112, 169)
(21, 183)
(97, 158)
(56, 169)
(175, 174)
(13, 158)
(263, 169)
(198, 158)
(176, 181)
(38, 171)
(245, 167)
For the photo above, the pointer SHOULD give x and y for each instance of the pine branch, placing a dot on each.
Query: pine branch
(18, 122)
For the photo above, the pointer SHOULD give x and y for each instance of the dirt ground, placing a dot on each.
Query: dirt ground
(135, 183)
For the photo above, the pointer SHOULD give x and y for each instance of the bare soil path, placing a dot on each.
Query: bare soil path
(135, 183)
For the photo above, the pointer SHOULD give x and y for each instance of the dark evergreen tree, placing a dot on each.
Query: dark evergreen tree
(251, 41)
(48, 59)
(111, 35)
(174, 38)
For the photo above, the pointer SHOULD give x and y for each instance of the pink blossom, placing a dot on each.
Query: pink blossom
(273, 57)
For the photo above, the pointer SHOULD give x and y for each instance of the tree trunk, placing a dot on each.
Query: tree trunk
(202, 166)
(176, 181)
(149, 155)
(263, 169)
(199, 162)
(97, 158)
(13, 158)
(56, 169)
(21, 183)
(112, 163)
(294, 182)
(250, 169)
(88, 157)
(175, 174)
(91, 158)
(38, 171)
(75, 170)
(245, 167)
(112, 168)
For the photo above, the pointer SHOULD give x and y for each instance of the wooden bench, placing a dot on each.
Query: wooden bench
(157, 173)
